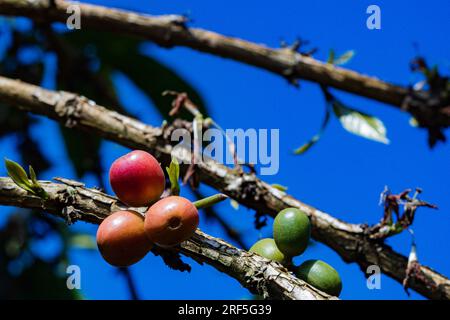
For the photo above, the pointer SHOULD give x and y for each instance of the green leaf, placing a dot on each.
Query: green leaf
(344, 58)
(174, 174)
(360, 123)
(83, 241)
(305, 147)
(279, 187)
(18, 175)
(20, 178)
(33, 175)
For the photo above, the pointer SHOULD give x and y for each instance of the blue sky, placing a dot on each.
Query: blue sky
(343, 174)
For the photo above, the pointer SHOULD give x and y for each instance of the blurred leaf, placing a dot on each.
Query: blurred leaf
(78, 71)
(23, 275)
(121, 53)
(234, 204)
(174, 174)
(305, 147)
(83, 241)
(279, 187)
(41, 281)
(31, 152)
(111, 53)
(12, 120)
(344, 58)
(432, 73)
(420, 85)
(360, 123)
(413, 122)
(153, 78)
(83, 150)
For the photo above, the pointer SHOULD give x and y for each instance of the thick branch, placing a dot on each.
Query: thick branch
(171, 30)
(349, 240)
(72, 201)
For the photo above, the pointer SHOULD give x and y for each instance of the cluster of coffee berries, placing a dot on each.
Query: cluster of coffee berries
(125, 237)
(291, 234)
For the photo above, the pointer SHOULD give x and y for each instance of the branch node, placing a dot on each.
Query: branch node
(70, 107)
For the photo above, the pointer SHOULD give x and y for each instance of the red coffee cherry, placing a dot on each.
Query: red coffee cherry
(171, 221)
(137, 178)
(121, 238)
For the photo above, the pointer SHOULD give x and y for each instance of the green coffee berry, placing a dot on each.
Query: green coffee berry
(268, 249)
(291, 231)
(321, 276)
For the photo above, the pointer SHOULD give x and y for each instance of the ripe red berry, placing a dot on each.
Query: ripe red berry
(121, 238)
(171, 220)
(137, 178)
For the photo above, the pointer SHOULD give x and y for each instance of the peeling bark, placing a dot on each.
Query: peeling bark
(72, 201)
(171, 30)
(350, 241)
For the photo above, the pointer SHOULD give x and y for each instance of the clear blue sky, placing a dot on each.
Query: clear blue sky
(343, 174)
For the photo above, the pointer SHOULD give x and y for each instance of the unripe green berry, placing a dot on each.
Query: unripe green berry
(321, 276)
(291, 231)
(268, 249)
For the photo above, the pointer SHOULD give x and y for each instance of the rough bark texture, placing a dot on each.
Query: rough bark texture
(351, 241)
(72, 201)
(170, 30)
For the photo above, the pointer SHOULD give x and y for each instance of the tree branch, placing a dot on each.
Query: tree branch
(72, 201)
(171, 30)
(350, 241)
